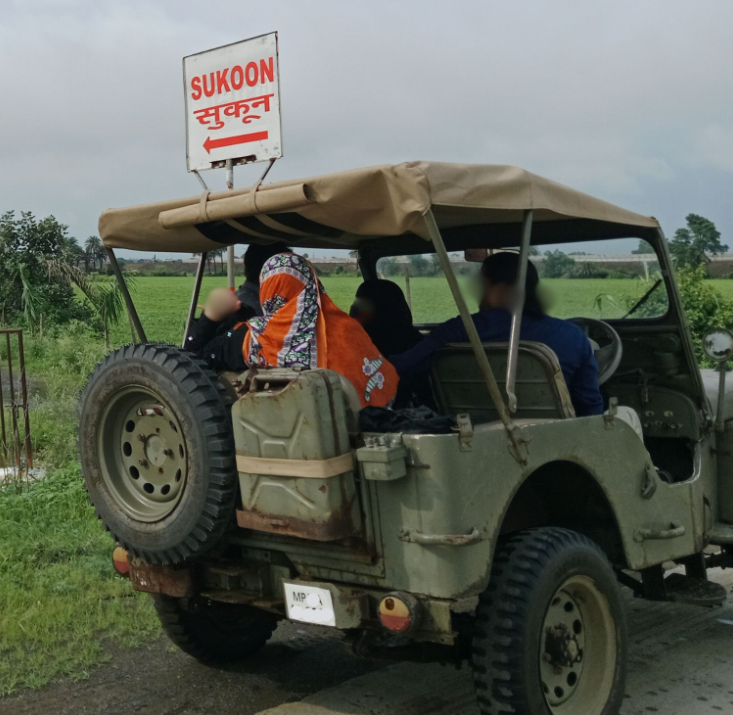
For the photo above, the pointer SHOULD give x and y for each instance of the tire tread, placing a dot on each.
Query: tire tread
(211, 401)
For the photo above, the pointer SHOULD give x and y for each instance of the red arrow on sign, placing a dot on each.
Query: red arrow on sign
(210, 143)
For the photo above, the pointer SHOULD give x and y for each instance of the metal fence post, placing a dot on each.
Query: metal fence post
(11, 445)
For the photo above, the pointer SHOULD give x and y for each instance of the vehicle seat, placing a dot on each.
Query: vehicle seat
(540, 386)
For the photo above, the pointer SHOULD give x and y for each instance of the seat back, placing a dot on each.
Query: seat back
(540, 386)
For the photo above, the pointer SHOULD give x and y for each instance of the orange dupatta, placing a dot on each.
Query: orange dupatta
(302, 327)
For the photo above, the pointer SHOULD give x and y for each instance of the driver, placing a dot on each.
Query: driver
(493, 322)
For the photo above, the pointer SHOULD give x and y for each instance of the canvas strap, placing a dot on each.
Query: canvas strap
(305, 468)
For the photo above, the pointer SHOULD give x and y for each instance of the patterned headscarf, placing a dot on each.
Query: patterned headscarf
(302, 327)
(289, 296)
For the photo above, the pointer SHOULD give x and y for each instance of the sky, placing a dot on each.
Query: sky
(630, 101)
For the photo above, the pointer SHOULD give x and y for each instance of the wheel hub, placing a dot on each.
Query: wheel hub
(562, 648)
(146, 458)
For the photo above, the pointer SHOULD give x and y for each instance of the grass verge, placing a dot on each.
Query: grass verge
(61, 604)
(60, 598)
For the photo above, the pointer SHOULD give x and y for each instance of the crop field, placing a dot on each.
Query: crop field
(163, 301)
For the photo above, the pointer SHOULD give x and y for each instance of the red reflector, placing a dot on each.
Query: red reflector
(400, 612)
(396, 624)
(119, 561)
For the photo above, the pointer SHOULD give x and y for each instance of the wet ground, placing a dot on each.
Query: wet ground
(681, 663)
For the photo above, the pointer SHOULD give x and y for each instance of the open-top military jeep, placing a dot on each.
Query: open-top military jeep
(243, 500)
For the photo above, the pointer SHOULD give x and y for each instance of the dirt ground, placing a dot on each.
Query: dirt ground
(681, 663)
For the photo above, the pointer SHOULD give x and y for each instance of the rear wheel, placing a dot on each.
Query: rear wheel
(550, 634)
(214, 632)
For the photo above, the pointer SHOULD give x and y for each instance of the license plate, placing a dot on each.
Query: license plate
(309, 604)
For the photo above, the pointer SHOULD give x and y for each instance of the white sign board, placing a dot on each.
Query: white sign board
(233, 104)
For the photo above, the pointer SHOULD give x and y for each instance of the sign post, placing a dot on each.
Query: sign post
(232, 96)
(230, 249)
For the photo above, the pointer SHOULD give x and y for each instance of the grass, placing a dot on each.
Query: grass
(61, 602)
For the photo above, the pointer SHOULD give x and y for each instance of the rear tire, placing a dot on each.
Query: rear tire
(550, 634)
(157, 452)
(212, 632)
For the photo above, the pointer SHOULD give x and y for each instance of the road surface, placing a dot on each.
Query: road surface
(681, 663)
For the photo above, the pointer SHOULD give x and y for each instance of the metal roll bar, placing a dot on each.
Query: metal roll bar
(513, 431)
(131, 311)
(195, 296)
(518, 298)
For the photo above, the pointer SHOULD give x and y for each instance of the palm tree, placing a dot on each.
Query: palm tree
(105, 299)
(102, 257)
(110, 307)
(71, 252)
(218, 253)
(93, 248)
(30, 297)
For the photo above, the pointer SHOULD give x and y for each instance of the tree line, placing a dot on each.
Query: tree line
(691, 247)
(45, 276)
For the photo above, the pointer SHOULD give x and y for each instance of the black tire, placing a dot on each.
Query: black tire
(214, 633)
(514, 646)
(193, 518)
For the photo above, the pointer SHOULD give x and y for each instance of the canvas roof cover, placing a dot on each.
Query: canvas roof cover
(345, 209)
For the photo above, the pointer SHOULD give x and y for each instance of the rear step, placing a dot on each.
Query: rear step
(680, 588)
(695, 591)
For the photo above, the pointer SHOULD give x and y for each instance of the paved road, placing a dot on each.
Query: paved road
(681, 664)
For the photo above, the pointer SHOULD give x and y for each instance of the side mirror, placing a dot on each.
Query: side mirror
(717, 343)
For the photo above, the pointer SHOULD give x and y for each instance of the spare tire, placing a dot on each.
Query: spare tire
(157, 452)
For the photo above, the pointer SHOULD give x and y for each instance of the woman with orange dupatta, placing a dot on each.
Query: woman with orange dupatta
(302, 327)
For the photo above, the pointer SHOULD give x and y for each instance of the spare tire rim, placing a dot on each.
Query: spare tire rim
(143, 455)
(578, 649)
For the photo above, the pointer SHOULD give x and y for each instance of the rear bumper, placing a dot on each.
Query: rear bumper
(355, 608)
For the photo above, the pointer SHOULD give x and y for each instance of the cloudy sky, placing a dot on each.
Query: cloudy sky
(628, 100)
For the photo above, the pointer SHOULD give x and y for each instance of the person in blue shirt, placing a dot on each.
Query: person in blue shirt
(493, 322)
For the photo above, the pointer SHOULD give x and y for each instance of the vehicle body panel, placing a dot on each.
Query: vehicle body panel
(447, 491)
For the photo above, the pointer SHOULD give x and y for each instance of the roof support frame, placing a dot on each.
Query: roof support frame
(195, 295)
(514, 432)
(131, 310)
(518, 298)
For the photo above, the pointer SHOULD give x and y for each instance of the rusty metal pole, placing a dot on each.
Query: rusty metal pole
(3, 435)
(13, 405)
(230, 249)
(24, 396)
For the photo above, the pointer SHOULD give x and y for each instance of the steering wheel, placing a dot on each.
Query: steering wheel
(607, 346)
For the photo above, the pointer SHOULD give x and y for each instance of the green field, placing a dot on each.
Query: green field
(163, 301)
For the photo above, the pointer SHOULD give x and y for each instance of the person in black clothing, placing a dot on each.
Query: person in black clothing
(380, 306)
(217, 336)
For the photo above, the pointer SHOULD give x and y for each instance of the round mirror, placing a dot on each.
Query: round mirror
(718, 344)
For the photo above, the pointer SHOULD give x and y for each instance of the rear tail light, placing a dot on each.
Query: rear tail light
(400, 612)
(120, 562)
